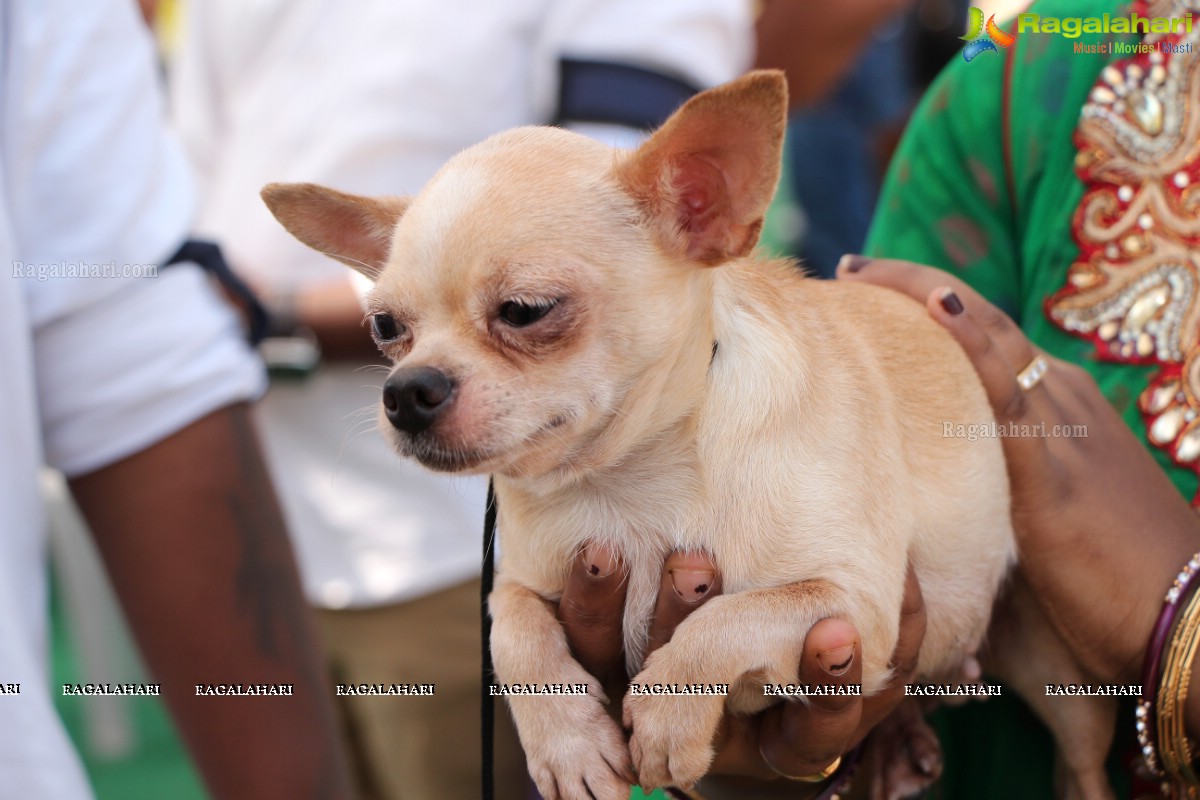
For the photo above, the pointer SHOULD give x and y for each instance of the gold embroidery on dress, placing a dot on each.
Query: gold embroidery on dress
(1133, 289)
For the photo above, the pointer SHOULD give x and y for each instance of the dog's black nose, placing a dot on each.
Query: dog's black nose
(415, 398)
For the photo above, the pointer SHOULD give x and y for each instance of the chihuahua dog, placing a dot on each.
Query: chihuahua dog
(592, 328)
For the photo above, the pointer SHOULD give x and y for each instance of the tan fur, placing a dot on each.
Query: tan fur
(808, 457)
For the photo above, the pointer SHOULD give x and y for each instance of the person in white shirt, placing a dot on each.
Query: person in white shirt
(373, 98)
(132, 378)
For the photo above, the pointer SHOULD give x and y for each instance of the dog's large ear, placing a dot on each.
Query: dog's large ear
(708, 174)
(355, 230)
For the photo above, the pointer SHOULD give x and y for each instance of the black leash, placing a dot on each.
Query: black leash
(487, 706)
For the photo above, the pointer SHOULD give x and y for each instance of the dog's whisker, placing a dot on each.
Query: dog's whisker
(345, 257)
(359, 433)
(367, 412)
(359, 428)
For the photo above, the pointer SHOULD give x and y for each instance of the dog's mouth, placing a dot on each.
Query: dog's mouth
(439, 456)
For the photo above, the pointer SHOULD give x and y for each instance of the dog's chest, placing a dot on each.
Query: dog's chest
(648, 507)
(640, 512)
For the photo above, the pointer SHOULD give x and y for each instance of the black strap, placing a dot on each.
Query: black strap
(619, 94)
(487, 703)
(208, 256)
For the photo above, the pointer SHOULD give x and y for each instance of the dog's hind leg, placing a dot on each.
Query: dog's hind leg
(1027, 655)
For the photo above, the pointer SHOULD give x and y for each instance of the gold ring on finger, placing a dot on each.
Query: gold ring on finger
(816, 777)
(1033, 373)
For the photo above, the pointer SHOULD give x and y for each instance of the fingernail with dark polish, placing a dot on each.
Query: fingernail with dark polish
(691, 585)
(837, 661)
(600, 561)
(951, 303)
(853, 262)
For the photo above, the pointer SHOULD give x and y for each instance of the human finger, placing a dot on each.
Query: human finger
(804, 738)
(919, 282)
(591, 610)
(689, 580)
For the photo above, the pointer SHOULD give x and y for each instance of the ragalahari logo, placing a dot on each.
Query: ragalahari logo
(982, 37)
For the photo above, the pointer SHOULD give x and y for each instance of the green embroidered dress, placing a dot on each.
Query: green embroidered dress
(1058, 177)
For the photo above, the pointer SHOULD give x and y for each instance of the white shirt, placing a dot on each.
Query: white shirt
(373, 97)
(92, 369)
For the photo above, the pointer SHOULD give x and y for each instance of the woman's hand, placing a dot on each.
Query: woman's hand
(796, 738)
(1101, 531)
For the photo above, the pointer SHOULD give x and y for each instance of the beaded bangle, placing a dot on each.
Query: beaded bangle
(1176, 596)
(1174, 750)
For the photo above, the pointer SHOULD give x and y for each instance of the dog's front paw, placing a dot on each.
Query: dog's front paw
(581, 755)
(671, 740)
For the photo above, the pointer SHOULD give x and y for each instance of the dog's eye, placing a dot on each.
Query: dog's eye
(521, 314)
(385, 327)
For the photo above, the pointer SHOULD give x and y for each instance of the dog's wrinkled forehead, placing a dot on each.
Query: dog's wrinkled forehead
(522, 193)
